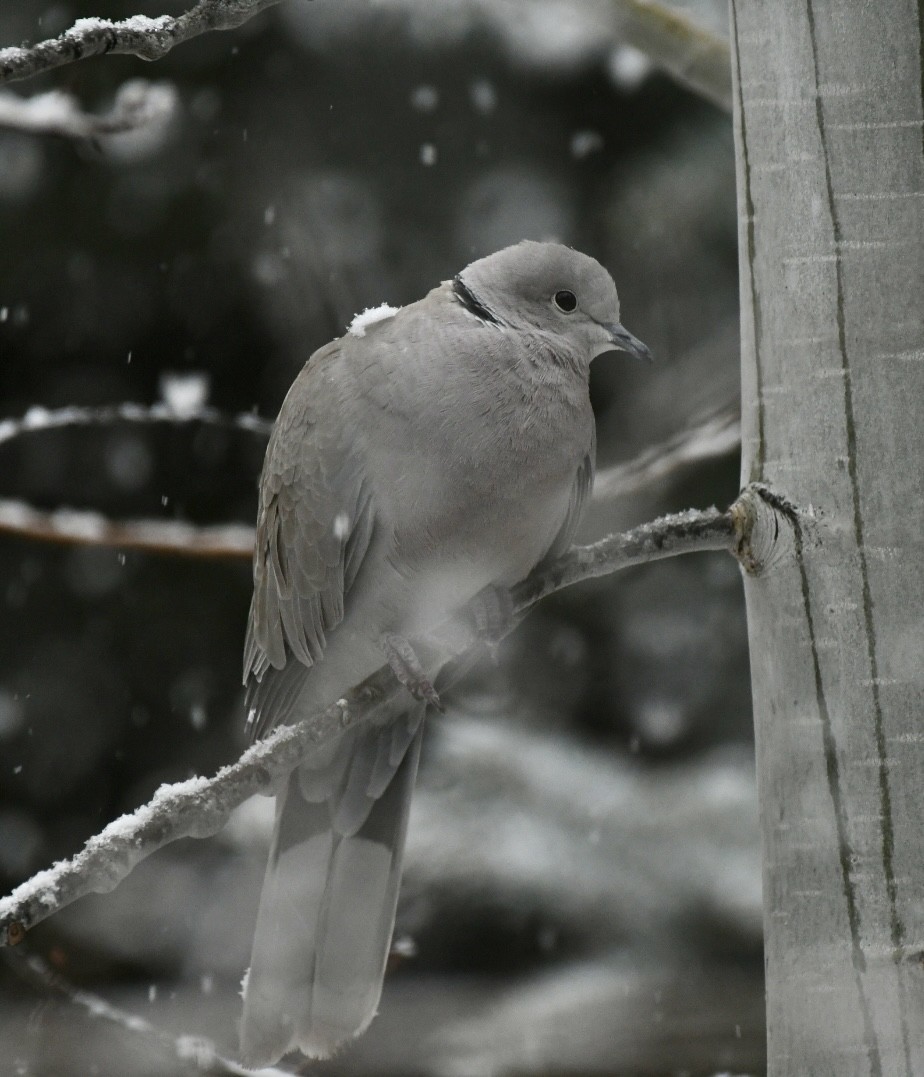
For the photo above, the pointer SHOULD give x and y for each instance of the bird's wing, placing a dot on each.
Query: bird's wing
(314, 526)
(577, 502)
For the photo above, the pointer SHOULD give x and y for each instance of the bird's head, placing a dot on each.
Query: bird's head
(554, 289)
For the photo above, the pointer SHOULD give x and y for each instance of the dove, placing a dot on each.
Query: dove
(429, 455)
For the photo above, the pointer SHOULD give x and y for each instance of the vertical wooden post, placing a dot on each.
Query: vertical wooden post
(828, 128)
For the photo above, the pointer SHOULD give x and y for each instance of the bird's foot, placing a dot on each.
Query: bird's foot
(492, 614)
(407, 668)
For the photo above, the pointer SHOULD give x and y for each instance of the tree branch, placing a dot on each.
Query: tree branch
(149, 38)
(200, 807)
(197, 1054)
(689, 53)
(71, 527)
(715, 436)
(693, 55)
(137, 104)
(172, 411)
(87, 528)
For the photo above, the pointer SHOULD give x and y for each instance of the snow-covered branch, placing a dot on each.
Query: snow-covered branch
(176, 408)
(149, 38)
(688, 52)
(182, 404)
(72, 527)
(200, 807)
(138, 103)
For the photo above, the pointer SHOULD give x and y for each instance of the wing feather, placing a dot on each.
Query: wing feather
(577, 502)
(314, 527)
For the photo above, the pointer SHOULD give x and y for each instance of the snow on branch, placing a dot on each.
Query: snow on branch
(138, 103)
(200, 807)
(688, 52)
(179, 406)
(182, 404)
(149, 38)
(73, 527)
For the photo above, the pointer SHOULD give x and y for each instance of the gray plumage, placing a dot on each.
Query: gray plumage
(421, 457)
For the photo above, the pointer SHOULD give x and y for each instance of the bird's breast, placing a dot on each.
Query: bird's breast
(472, 447)
(479, 503)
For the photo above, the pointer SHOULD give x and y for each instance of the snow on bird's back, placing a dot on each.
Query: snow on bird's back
(370, 316)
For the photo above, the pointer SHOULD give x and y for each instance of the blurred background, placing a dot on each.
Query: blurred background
(582, 887)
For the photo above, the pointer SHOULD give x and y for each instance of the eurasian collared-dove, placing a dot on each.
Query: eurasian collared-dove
(431, 452)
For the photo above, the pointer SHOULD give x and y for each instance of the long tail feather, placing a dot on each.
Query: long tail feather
(328, 905)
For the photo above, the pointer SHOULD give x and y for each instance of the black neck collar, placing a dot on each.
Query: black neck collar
(471, 303)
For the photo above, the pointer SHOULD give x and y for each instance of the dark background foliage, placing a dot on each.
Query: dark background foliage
(582, 889)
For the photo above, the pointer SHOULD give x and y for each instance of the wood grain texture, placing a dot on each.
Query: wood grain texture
(828, 127)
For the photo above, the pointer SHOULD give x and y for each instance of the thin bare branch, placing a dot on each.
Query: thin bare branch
(693, 55)
(71, 527)
(715, 436)
(196, 1053)
(201, 806)
(138, 103)
(149, 38)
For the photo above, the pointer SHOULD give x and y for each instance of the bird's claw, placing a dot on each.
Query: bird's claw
(410, 673)
(492, 612)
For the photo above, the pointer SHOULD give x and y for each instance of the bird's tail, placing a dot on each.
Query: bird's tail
(327, 910)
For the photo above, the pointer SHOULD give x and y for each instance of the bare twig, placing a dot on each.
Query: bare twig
(138, 103)
(149, 38)
(201, 806)
(691, 54)
(72, 527)
(715, 436)
(197, 1053)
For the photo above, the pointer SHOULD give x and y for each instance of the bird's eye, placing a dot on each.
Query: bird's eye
(565, 301)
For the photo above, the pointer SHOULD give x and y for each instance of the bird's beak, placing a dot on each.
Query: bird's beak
(624, 341)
